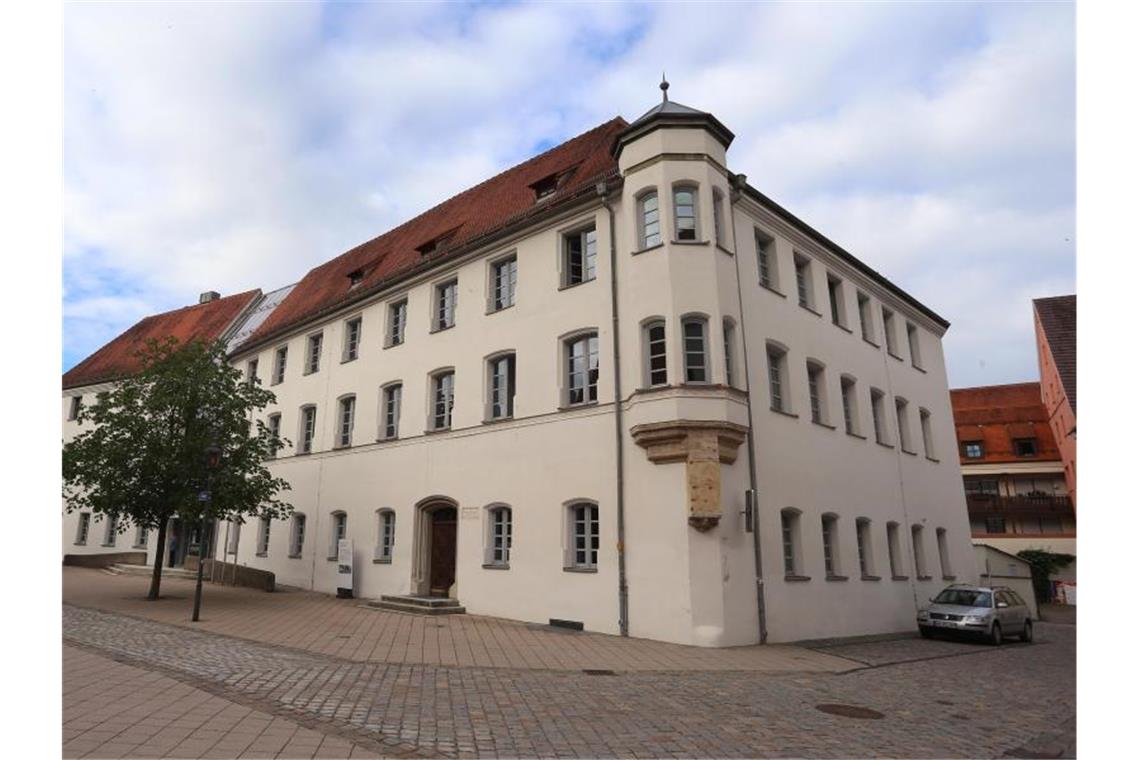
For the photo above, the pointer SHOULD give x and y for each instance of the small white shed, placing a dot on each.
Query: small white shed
(998, 568)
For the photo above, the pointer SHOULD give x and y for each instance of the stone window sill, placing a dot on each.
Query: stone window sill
(885, 445)
(870, 578)
(388, 438)
(492, 310)
(347, 359)
(844, 328)
(433, 431)
(933, 459)
(722, 249)
(261, 554)
(857, 435)
(690, 242)
(900, 577)
(836, 578)
(579, 569)
(908, 451)
(571, 407)
(569, 285)
(786, 414)
(823, 424)
(923, 578)
(294, 556)
(498, 566)
(439, 329)
(771, 289)
(80, 543)
(648, 248)
(805, 307)
(332, 558)
(382, 561)
(797, 578)
(949, 577)
(920, 369)
(497, 420)
(870, 342)
(392, 344)
(894, 355)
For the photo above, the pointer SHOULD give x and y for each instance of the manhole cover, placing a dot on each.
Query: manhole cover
(598, 672)
(850, 711)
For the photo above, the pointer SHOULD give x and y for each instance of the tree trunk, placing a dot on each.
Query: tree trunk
(159, 555)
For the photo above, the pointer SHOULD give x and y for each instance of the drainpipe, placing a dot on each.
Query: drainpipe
(761, 612)
(623, 587)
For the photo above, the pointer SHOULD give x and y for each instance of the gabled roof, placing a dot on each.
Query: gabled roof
(207, 321)
(459, 221)
(1058, 318)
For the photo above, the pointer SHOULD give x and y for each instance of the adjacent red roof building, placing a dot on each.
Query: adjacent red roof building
(207, 321)
(1055, 326)
(1003, 423)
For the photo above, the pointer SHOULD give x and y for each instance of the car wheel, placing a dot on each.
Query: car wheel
(925, 632)
(1027, 632)
(995, 634)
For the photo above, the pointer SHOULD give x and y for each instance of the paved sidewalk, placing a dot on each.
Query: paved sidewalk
(323, 624)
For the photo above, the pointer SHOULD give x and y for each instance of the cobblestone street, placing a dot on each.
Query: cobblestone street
(141, 688)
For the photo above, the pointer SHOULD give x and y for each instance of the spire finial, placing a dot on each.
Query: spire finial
(664, 88)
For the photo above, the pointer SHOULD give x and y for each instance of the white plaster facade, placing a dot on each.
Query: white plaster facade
(689, 560)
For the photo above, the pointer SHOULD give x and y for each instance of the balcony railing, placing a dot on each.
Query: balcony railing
(1049, 505)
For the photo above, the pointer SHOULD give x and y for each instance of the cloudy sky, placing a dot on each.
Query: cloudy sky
(228, 146)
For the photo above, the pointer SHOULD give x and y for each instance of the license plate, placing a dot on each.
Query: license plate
(944, 624)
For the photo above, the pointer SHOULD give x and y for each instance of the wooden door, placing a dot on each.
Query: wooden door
(442, 551)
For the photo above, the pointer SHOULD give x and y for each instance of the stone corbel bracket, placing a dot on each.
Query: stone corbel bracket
(703, 445)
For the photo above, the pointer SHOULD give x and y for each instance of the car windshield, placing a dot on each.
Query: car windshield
(964, 598)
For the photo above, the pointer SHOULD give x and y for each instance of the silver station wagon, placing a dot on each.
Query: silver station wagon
(990, 612)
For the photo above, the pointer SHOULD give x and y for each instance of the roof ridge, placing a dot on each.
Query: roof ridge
(473, 188)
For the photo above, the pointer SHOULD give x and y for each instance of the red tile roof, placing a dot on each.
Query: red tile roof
(1058, 317)
(117, 359)
(997, 414)
(489, 206)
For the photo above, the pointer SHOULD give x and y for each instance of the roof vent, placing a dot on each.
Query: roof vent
(209, 295)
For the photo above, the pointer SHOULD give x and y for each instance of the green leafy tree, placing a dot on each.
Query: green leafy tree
(1043, 564)
(142, 456)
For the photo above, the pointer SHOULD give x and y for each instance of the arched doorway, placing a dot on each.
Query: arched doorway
(436, 548)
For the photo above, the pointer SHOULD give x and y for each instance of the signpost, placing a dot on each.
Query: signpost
(344, 568)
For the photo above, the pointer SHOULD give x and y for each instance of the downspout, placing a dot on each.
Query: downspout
(623, 587)
(761, 611)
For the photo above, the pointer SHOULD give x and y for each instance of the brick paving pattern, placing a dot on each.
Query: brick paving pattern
(113, 710)
(958, 700)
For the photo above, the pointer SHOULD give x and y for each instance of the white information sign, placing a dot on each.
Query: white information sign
(344, 568)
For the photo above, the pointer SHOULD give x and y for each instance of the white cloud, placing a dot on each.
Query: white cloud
(230, 146)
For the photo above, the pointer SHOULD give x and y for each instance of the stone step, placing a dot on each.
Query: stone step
(421, 601)
(414, 605)
(147, 570)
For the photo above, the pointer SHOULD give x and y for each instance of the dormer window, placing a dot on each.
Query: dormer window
(355, 278)
(549, 185)
(545, 187)
(436, 244)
